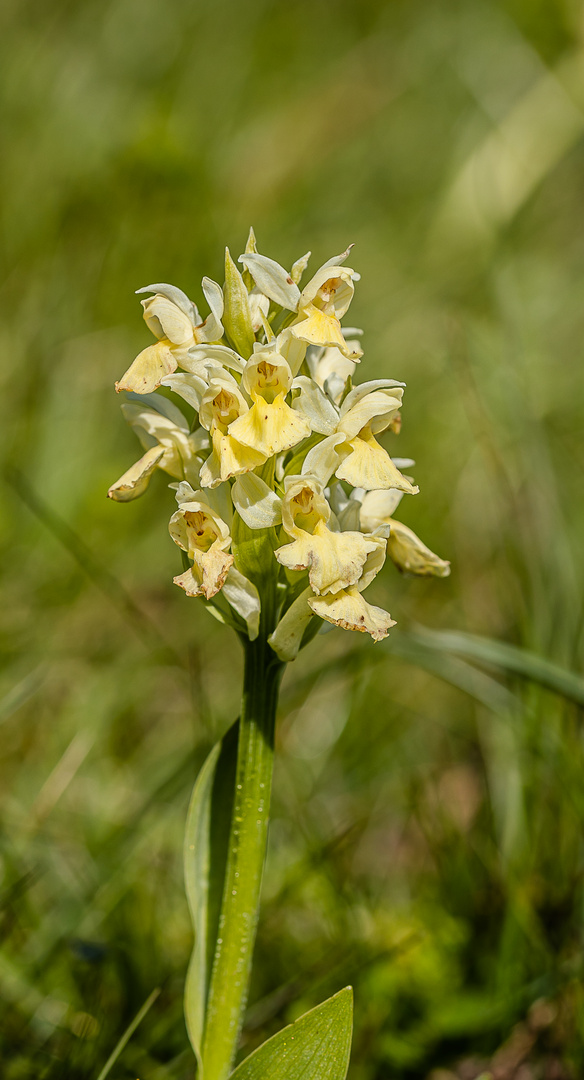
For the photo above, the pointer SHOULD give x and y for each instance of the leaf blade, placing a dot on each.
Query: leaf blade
(315, 1047)
(510, 658)
(205, 853)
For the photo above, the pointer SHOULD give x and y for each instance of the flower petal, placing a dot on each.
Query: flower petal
(350, 611)
(381, 403)
(148, 369)
(207, 574)
(315, 406)
(287, 637)
(177, 296)
(411, 555)
(136, 479)
(299, 267)
(214, 297)
(369, 466)
(377, 507)
(334, 560)
(363, 389)
(270, 428)
(228, 458)
(259, 306)
(272, 280)
(319, 328)
(189, 387)
(375, 560)
(255, 502)
(199, 356)
(292, 349)
(322, 460)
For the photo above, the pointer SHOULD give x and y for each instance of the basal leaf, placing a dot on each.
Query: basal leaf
(315, 1047)
(205, 852)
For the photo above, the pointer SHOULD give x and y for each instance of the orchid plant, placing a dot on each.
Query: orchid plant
(285, 514)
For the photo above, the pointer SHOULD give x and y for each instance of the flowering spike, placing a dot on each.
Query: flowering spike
(286, 496)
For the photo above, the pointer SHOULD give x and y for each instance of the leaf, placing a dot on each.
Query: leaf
(205, 854)
(272, 280)
(315, 1047)
(464, 676)
(508, 658)
(122, 1043)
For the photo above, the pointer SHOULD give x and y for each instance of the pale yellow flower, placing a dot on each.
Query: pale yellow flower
(222, 402)
(270, 426)
(176, 322)
(367, 410)
(169, 446)
(202, 533)
(334, 560)
(321, 306)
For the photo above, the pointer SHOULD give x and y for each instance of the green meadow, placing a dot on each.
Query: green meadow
(426, 844)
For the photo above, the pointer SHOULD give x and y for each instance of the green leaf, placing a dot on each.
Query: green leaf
(205, 856)
(236, 315)
(315, 1047)
(509, 658)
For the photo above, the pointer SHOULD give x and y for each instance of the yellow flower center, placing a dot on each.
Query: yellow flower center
(268, 382)
(201, 530)
(304, 513)
(225, 409)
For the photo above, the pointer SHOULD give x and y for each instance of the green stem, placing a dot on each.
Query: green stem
(245, 860)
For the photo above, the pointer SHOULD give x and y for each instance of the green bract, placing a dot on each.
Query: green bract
(285, 495)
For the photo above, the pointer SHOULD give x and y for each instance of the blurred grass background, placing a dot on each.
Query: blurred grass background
(427, 842)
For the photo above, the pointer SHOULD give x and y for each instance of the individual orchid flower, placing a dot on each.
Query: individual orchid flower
(345, 608)
(404, 548)
(322, 304)
(334, 560)
(169, 445)
(350, 430)
(271, 425)
(222, 403)
(200, 531)
(366, 411)
(177, 324)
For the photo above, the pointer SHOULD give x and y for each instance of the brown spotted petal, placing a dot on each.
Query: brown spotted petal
(334, 560)
(350, 611)
(207, 574)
